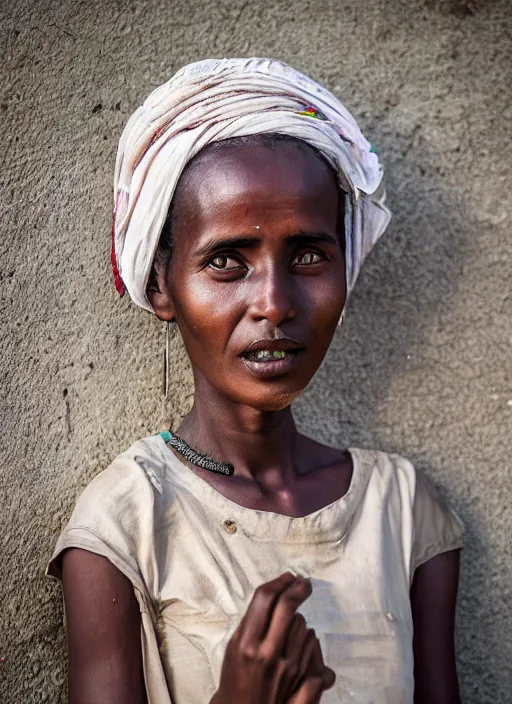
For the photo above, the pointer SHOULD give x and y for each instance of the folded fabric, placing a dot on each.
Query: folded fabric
(214, 100)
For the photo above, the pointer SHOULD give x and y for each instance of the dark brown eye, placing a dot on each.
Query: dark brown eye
(224, 263)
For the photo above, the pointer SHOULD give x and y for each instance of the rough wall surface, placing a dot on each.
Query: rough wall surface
(423, 365)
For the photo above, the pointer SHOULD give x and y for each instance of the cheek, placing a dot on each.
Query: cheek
(324, 299)
(205, 311)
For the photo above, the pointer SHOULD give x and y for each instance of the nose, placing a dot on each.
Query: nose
(273, 298)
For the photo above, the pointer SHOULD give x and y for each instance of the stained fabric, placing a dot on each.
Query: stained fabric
(195, 558)
(212, 100)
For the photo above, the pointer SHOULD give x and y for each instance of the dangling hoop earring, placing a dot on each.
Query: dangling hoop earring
(166, 359)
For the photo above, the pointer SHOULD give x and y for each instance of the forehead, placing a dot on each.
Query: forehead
(254, 181)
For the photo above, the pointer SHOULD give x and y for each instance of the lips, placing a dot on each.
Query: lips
(269, 351)
(272, 359)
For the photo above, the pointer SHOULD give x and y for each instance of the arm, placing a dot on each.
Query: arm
(433, 599)
(103, 625)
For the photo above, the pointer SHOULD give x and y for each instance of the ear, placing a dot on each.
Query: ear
(162, 305)
(161, 300)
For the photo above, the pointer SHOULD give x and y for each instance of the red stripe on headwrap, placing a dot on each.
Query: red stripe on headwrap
(120, 287)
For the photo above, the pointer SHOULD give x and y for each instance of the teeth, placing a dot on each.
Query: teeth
(265, 355)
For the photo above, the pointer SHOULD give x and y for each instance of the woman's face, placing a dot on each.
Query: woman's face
(257, 277)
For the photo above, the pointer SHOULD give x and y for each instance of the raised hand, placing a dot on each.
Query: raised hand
(273, 658)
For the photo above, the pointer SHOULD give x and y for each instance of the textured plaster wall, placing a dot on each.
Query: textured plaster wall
(423, 365)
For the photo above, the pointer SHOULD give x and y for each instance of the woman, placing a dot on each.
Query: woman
(246, 200)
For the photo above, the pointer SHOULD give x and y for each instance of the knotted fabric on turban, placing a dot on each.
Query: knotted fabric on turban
(216, 99)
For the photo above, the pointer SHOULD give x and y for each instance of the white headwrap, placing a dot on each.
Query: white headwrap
(216, 99)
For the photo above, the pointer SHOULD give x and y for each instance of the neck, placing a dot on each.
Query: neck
(261, 445)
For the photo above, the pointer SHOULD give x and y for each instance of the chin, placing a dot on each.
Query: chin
(271, 400)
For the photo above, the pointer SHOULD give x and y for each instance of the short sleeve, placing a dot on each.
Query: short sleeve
(437, 528)
(113, 517)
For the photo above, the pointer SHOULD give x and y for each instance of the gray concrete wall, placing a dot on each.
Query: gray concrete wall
(423, 364)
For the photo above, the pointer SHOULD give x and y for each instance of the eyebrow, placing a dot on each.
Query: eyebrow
(251, 242)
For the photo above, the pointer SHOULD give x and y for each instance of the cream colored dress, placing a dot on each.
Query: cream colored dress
(195, 559)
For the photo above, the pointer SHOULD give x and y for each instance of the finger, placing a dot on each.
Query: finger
(316, 663)
(254, 624)
(296, 638)
(308, 653)
(291, 657)
(282, 616)
(309, 692)
(329, 677)
(317, 668)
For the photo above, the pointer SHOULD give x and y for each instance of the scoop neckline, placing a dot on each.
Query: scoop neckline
(186, 475)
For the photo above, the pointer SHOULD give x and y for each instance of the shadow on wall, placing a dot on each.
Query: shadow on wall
(399, 313)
